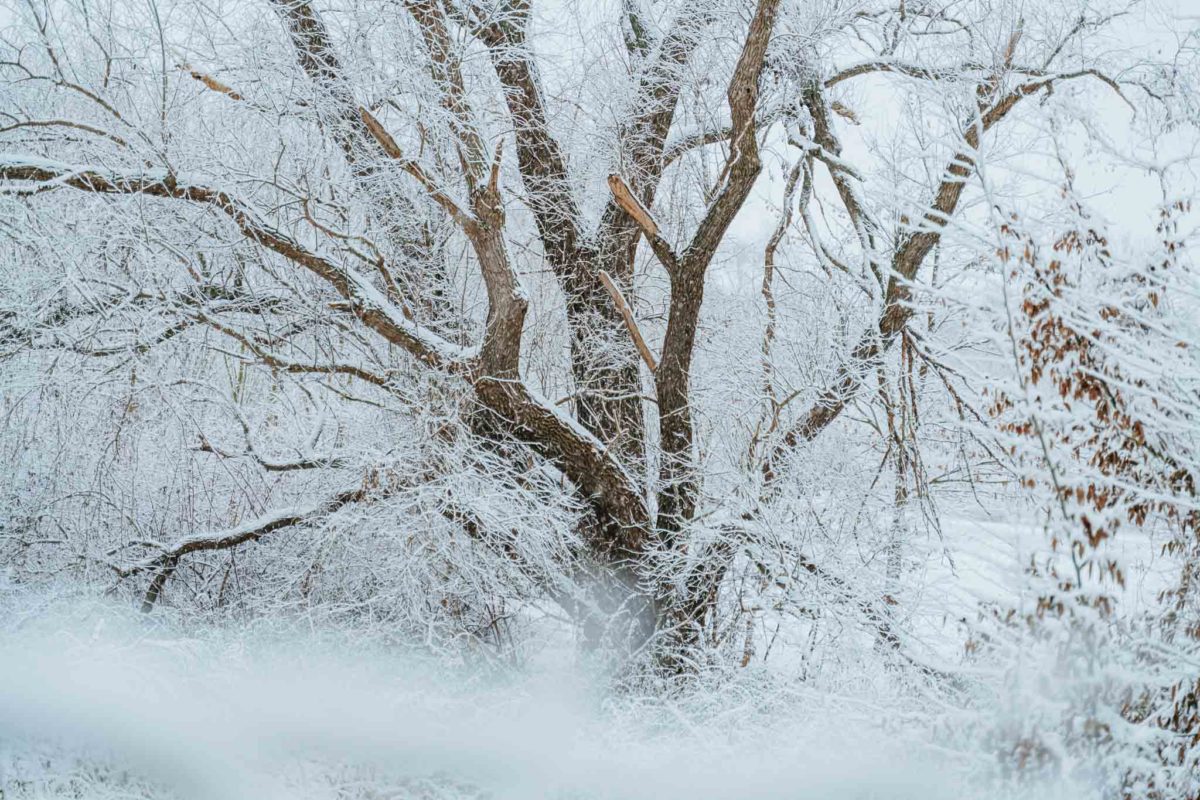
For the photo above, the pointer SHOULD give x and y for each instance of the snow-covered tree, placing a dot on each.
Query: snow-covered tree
(689, 327)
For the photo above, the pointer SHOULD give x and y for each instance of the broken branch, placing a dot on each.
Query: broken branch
(627, 314)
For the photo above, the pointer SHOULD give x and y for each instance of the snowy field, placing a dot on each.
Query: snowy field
(98, 702)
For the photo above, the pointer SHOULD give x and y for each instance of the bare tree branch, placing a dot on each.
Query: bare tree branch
(677, 499)
(638, 213)
(363, 150)
(631, 323)
(907, 259)
(249, 531)
(491, 369)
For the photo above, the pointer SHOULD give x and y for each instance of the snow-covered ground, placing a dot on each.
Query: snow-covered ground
(95, 702)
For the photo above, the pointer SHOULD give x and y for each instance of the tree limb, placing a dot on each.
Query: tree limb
(583, 458)
(907, 259)
(629, 203)
(615, 292)
(677, 499)
(250, 531)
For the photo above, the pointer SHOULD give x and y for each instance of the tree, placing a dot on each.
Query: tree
(337, 187)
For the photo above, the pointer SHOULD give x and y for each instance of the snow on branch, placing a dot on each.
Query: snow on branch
(367, 302)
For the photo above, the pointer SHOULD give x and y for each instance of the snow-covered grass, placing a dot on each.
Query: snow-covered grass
(97, 702)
